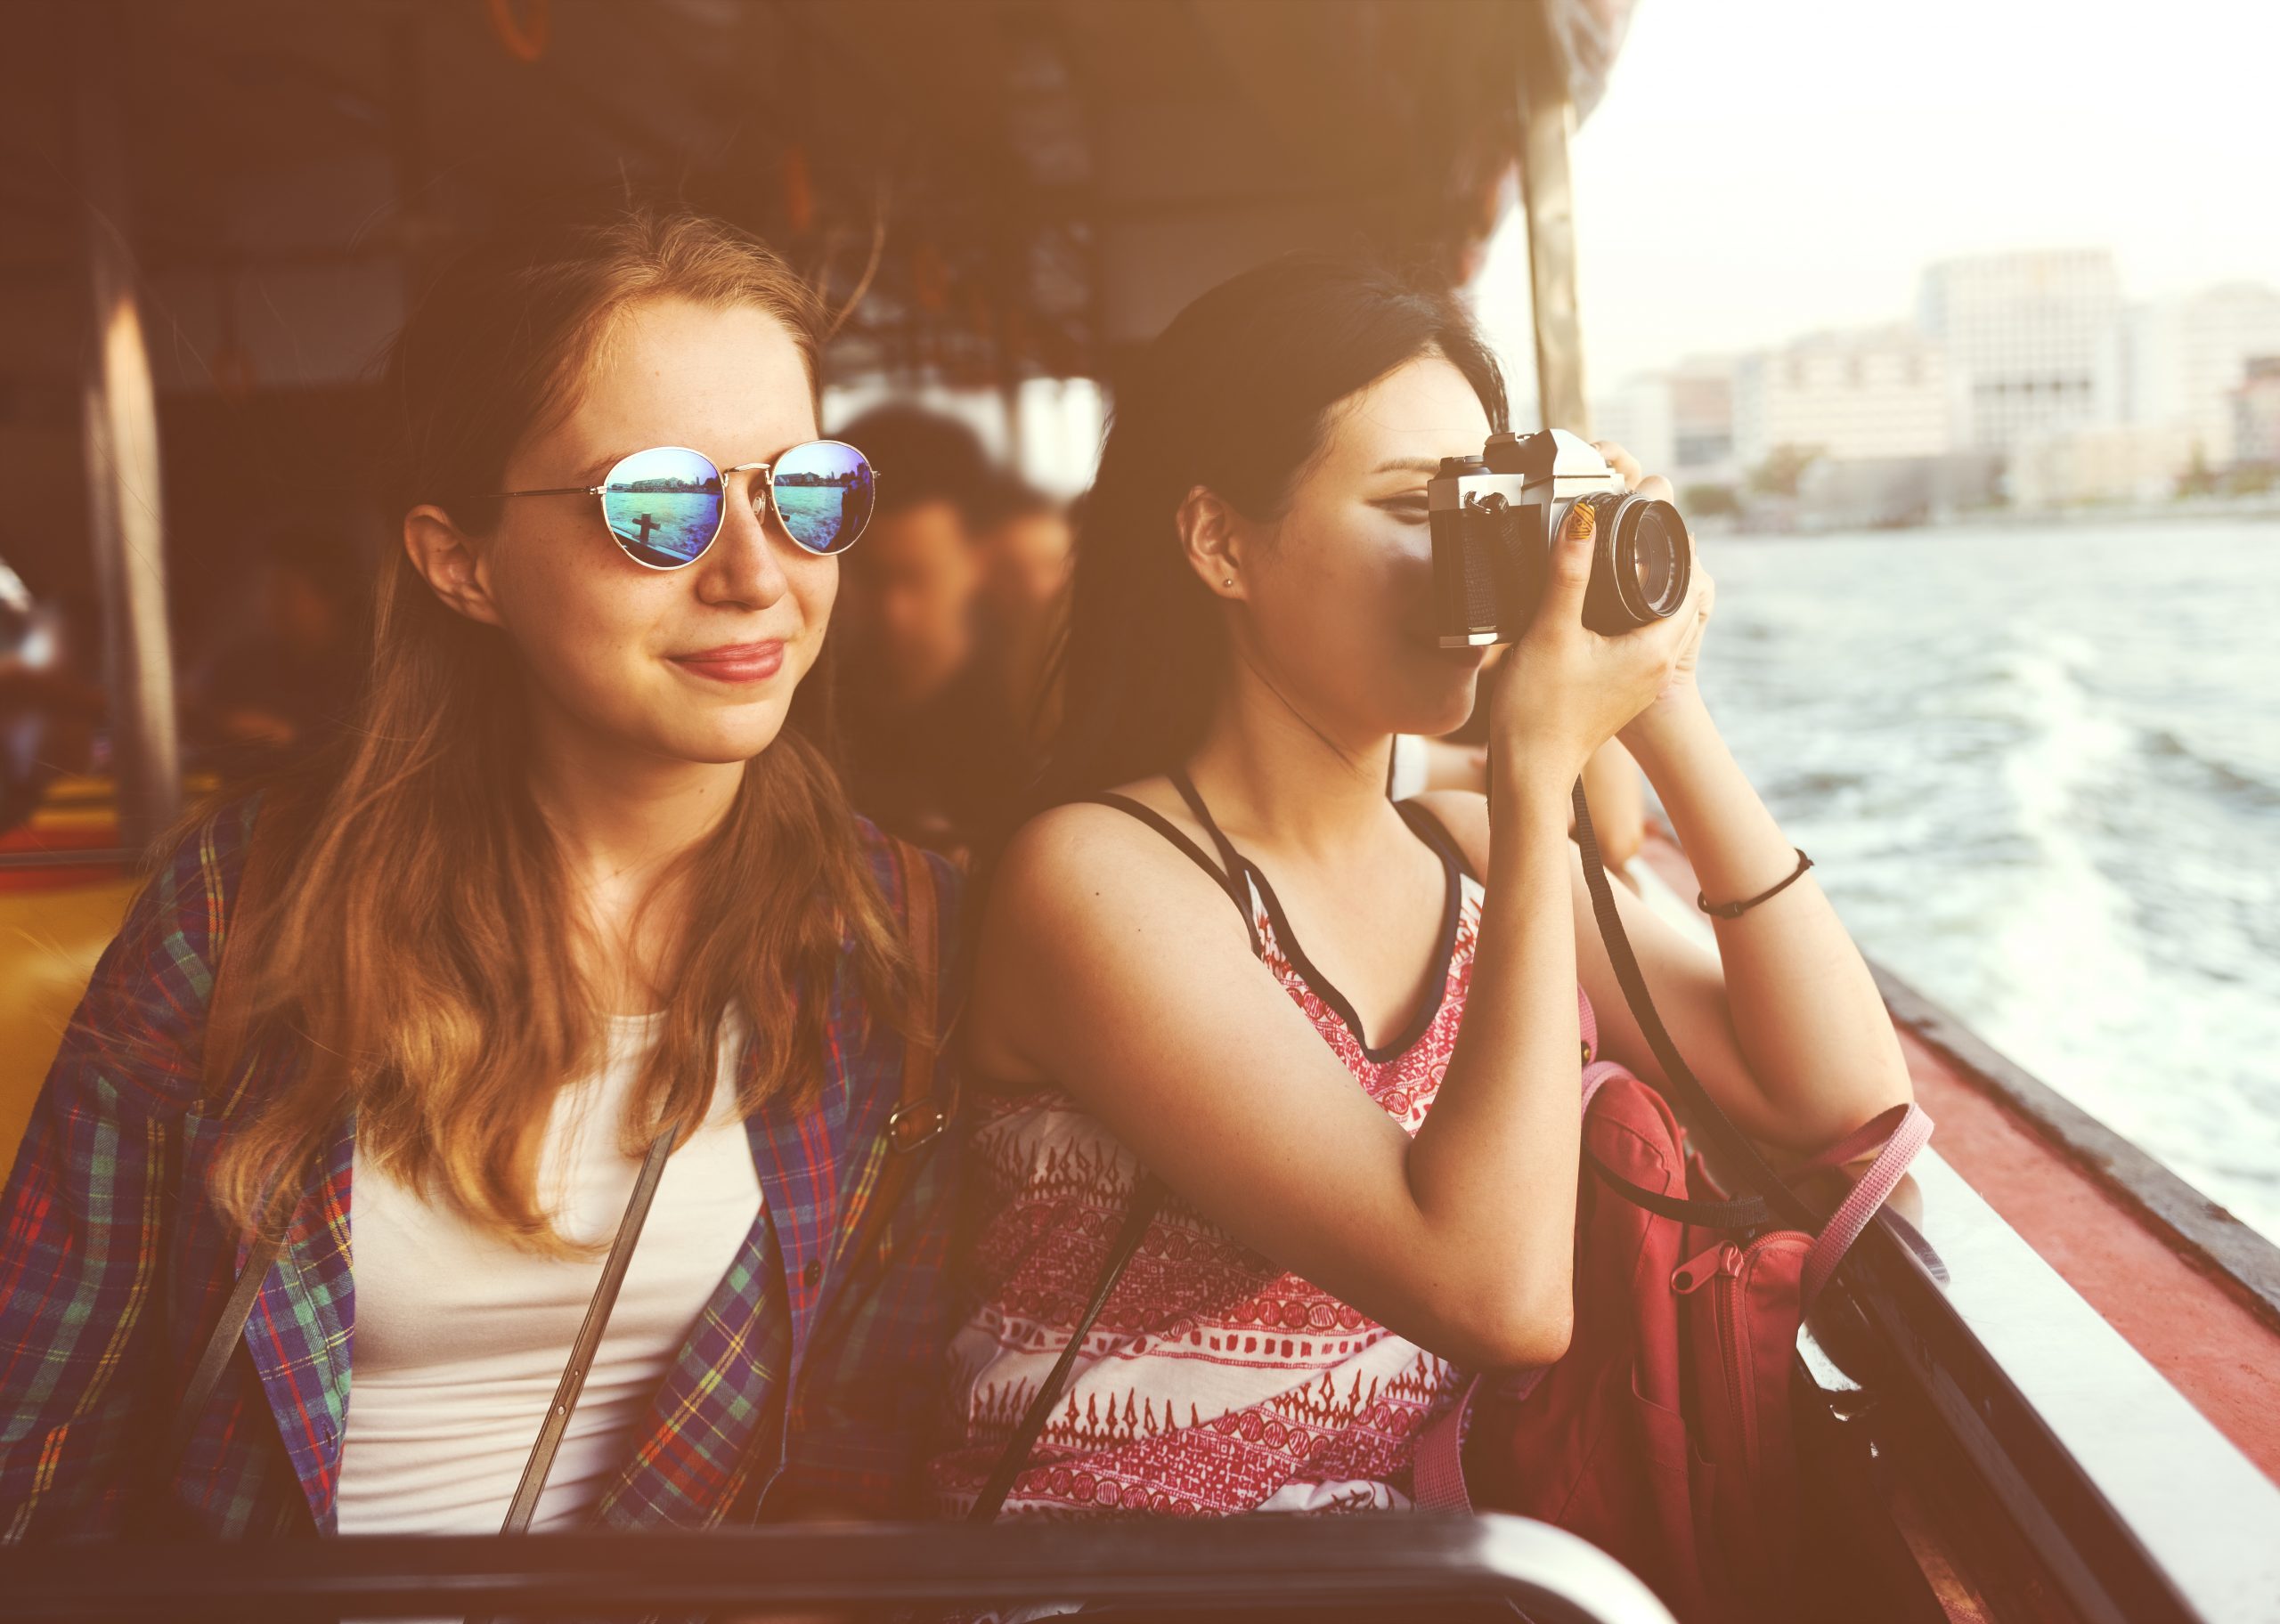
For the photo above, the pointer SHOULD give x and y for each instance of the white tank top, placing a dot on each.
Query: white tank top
(460, 1339)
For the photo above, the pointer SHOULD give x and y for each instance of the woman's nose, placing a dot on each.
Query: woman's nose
(744, 565)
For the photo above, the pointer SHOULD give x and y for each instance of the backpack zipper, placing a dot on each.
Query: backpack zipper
(1721, 1268)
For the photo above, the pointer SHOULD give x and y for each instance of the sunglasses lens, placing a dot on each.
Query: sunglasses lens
(663, 506)
(824, 492)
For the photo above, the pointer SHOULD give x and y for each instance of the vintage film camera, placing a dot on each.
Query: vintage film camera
(1494, 517)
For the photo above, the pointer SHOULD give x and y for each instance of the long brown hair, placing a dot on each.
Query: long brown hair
(420, 957)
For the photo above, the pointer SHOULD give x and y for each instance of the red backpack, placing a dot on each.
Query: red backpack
(1663, 1435)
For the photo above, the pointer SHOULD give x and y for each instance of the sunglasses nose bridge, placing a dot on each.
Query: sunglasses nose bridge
(760, 494)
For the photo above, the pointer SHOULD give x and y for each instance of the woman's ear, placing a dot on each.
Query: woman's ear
(449, 563)
(1211, 535)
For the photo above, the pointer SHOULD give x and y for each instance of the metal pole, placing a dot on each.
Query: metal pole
(1017, 425)
(125, 531)
(1547, 120)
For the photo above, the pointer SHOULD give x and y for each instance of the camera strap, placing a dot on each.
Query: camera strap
(1772, 1199)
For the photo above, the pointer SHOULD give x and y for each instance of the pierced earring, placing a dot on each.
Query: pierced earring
(1229, 582)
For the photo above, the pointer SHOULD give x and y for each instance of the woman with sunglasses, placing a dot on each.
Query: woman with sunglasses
(1338, 1038)
(568, 973)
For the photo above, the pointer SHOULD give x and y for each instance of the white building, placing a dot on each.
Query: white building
(1864, 395)
(2065, 468)
(1679, 424)
(2187, 357)
(2256, 414)
(1636, 414)
(2033, 342)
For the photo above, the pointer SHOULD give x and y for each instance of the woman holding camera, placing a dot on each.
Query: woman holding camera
(1345, 1034)
(573, 950)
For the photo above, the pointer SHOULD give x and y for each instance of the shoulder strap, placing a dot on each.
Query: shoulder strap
(226, 1020)
(520, 1509)
(1146, 1199)
(1228, 880)
(915, 1121)
(1426, 824)
(229, 1011)
(1194, 797)
(222, 1342)
(920, 1116)
(1742, 1212)
(1741, 1156)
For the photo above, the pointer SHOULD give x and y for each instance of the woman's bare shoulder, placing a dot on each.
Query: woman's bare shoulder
(1077, 890)
(1067, 843)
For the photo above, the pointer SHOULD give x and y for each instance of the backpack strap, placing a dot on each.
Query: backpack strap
(918, 1119)
(1748, 1165)
(229, 1012)
(1740, 1213)
(1904, 1130)
(1146, 1199)
(921, 1115)
(228, 1016)
(551, 1431)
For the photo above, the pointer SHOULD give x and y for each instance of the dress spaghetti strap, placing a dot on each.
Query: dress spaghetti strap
(1228, 880)
(1427, 827)
(1189, 793)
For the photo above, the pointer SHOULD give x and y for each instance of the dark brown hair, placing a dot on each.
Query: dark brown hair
(1236, 395)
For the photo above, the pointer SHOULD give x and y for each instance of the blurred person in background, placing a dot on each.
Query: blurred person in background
(1028, 544)
(286, 670)
(934, 749)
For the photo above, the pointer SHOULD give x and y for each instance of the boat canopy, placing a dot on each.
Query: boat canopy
(1044, 180)
(232, 205)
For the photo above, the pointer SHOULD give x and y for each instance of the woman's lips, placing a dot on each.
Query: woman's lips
(735, 661)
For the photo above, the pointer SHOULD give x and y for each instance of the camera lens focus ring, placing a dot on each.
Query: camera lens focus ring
(1654, 560)
(1642, 562)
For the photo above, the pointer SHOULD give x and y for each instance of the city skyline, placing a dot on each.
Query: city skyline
(1808, 162)
(2024, 377)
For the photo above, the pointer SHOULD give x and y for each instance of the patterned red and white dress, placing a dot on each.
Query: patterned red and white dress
(1213, 1382)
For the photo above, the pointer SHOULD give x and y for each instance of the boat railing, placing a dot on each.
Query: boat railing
(1342, 1568)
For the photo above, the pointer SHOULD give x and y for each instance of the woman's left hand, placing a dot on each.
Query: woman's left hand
(1680, 692)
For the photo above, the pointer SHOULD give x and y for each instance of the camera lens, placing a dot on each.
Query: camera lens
(1653, 557)
(1643, 565)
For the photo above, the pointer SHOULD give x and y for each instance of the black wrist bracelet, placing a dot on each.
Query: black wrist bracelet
(1734, 910)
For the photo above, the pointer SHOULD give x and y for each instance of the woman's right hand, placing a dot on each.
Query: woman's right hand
(1562, 689)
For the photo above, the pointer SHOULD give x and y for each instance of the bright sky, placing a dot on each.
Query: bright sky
(1760, 168)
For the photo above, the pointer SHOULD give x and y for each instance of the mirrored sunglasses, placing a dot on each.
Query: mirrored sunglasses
(665, 506)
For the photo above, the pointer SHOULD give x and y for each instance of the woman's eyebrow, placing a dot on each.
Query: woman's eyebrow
(1409, 465)
(591, 474)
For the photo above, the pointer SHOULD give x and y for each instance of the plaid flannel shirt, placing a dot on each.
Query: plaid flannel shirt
(808, 1377)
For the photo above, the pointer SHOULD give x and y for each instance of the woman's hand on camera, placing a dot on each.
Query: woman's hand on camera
(1694, 616)
(1562, 689)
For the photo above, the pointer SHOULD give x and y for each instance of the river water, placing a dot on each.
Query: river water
(2038, 773)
